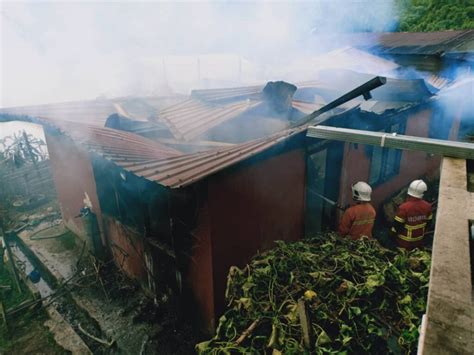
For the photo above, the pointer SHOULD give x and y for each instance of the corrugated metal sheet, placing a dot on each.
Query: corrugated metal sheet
(189, 119)
(117, 146)
(306, 107)
(162, 164)
(184, 170)
(394, 90)
(252, 92)
(437, 82)
(155, 162)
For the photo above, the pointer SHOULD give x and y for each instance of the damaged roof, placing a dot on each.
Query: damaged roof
(118, 146)
(206, 109)
(153, 161)
(192, 117)
(184, 170)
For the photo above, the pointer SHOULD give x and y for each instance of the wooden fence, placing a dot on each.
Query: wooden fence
(27, 180)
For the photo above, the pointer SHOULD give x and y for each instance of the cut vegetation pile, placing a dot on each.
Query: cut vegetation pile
(359, 298)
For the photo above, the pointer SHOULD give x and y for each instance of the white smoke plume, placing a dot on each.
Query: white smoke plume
(59, 51)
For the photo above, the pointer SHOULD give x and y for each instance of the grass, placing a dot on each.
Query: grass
(26, 332)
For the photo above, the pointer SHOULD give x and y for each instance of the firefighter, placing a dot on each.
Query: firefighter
(413, 217)
(358, 220)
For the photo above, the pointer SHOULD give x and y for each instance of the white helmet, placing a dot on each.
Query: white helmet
(361, 191)
(417, 188)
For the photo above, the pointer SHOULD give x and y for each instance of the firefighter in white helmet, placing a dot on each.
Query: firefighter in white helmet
(358, 220)
(413, 217)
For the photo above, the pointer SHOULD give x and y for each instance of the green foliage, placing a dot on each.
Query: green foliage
(361, 298)
(435, 15)
(11, 297)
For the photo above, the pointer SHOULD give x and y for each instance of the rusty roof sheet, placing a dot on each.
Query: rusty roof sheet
(426, 43)
(193, 117)
(117, 146)
(155, 162)
(163, 165)
(184, 170)
(188, 119)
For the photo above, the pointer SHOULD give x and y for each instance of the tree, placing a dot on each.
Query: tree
(23, 148)
(435, 15)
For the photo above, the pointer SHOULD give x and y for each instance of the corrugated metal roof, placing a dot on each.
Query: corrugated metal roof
(155, 162)
(161, 164)
(427, 43)
(306, 107)
(117, 146)
(184, 170)
(437, 82)
(189, 119)
(252, 92)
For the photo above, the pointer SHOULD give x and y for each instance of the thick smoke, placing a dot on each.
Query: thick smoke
(59, 51)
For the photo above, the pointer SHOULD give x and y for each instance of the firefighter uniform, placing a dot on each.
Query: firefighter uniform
(357, 221)
(411, 222)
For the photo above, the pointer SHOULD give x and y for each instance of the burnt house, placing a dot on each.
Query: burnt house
(180, 221)
(177, 221)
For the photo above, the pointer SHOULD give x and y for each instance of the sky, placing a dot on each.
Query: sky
(63, 50)
(11, 128)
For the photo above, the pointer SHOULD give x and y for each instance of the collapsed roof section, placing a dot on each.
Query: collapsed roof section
(200, 116)
(188, 119)
(207, 109)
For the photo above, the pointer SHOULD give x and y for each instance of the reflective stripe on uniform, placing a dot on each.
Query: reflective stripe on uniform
(410, 230)
(363, 221)
(409, 239)
(399, 219)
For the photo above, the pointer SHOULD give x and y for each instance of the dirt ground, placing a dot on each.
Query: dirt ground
(116, 307)
(30, 336)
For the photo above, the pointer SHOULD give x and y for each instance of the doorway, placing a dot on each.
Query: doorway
(324, 162)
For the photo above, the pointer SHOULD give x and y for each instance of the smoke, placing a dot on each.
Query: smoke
(456, 104)
(59, 51)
